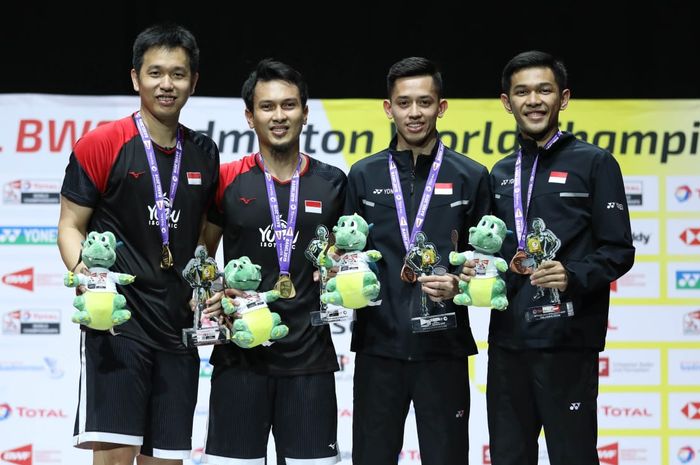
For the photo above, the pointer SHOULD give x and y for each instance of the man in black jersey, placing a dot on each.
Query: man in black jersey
(565, 200)
(138, 384)
(267, 205)
(415, 186)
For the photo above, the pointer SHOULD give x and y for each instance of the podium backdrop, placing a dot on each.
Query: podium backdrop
(649, 404)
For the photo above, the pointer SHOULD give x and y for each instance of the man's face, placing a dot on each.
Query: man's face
(164, 82)
(278, 116)
(415, 107)
(535, 100)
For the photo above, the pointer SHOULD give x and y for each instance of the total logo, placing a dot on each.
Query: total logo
(686, 454)
(7, 412)
(609, 454)
(19, 456)
(684, 193)
(691, 410)
(691, 323)
(611, 411)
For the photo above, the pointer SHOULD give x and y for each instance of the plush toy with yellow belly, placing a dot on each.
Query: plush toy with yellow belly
(254, 323)
(100, 306)
(486, 289)
(355, 285)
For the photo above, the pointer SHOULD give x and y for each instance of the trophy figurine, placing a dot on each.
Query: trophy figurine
(422, 259)
(201, 273)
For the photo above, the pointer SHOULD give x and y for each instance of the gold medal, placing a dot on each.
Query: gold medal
(521, 263)
(285, 287)
(407, 274)
(166, 258)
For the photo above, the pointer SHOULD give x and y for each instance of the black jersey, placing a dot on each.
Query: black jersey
(108, 171)
(243, 211)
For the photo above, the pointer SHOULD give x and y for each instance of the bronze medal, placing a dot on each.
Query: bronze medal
(407, 274)
(166, 258)
(285, 287)
(519, 263)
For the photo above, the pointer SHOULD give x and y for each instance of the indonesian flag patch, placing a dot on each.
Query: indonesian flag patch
(194, 178)
(443, 188)
(558, 177)
(313, 206)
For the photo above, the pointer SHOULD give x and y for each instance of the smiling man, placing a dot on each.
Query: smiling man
(556, 194)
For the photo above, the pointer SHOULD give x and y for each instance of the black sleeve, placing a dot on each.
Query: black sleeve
(77, 185)
(610, 225)
(354, 191)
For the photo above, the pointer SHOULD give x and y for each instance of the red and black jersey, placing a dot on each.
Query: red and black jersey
(243, 211)
(108, 171)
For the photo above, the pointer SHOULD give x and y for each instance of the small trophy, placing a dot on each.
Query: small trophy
(422, 259)
(542, 244)
(316, 253)
(201, 273)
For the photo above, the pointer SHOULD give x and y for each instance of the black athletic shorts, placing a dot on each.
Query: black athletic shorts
(300, 410)
(135, 395)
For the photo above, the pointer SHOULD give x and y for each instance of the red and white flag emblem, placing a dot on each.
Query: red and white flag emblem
(194, 178)
(443, 188)
(313, 206)
(558, 177)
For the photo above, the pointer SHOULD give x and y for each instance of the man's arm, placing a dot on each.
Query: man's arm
(210, 237)
(72, 229)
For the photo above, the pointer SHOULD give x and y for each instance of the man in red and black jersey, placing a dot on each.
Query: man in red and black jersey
(288, 385)
(138, 384)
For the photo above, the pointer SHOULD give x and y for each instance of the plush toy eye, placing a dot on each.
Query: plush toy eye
(353, 224)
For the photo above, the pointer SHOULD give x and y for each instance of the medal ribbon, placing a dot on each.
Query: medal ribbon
(283, 237)
(162, 212)
(520, 226)
(408, 240)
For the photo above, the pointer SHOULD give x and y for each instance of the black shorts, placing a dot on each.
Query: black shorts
(554, 389)
(135, 395)
(383, 389)
(243, 406)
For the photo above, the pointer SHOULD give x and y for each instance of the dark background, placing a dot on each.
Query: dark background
(613, 50)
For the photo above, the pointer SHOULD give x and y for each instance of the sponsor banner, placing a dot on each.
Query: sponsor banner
(642, 193)
(629, 410)
(684, 410)
(683, 280)
(683, 194)
(683, 236)
(684, 366)
(642, 280)
(28, 235)
(31, 192)
(684, 450)
(670, 324)
(31, 322)
(645, 234)
(640, 367)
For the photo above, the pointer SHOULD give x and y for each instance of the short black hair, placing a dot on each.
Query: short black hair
(269, 69)
(170, 36)
(534, 59)
(413, 66)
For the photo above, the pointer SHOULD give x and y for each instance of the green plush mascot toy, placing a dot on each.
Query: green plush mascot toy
(486, 289)
(255, 323)
(100, 306)
(355, 285)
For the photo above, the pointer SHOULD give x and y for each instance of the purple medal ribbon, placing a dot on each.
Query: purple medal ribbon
(520, 226)
(162, 211)
(408, 241)
(283, 237)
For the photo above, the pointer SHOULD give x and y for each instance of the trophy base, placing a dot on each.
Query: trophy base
(439, 322)
(206, 336)
(331, 315)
